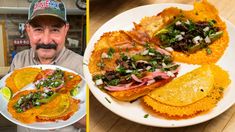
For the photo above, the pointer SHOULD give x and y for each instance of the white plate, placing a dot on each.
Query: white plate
(47, 125)
(134, 111)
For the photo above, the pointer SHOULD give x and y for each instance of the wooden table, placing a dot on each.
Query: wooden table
(101, 119)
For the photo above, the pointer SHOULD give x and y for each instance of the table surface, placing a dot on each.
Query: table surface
(102, 119)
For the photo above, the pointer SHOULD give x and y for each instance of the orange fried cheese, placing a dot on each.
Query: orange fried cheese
(60, 108)
(21, 77)
(203, 11)
(196, 96)
(123, 43)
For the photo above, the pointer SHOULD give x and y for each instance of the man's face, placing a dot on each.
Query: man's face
(47, 36)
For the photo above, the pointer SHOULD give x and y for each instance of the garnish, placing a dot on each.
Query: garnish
(53, 81)
(146, 115)
(187, 36)
(110, 52)
(34, 100)
(131, 70)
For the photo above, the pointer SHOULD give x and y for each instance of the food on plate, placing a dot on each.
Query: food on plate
(21, 77)
(31, 106)
(6, 92)
(128, 70)
(192, 93)
(50, 98)
(196, 36)
(57, 80)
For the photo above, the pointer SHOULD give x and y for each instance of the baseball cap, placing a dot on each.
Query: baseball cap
(54, 8)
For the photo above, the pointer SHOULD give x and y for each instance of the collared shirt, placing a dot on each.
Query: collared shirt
(66, 58)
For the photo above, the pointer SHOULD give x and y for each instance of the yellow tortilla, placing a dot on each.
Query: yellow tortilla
(191, 104)
(186, 89)
(21, 77)
(203, 11)
(61, 107)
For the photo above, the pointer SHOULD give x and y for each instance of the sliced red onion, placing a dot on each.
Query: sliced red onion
(151, 82)
(162, 51)
(121, 88)
(136, 78)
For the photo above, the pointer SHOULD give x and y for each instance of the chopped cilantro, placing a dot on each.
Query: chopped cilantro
(110, 52)
(121, 69)
(146, 115)
(114, 82)
(208, 51)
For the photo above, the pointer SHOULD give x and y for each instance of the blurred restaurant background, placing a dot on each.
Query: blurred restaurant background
(13, 38)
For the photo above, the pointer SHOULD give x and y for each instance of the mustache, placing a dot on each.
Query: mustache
(46, 46)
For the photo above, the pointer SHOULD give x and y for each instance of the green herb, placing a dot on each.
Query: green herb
(137, 73)
(46, 100)
(208, 51)
(124, 57)
(38, 85)
(19, 110)
(146, 115)
(114, 82)
(110, 52)
(212, 22)
(216, 35)
(138, 57)
(108, 100)
(96, 77)
(74, 92)
(133, 65)
(153, 62)
(121, 69)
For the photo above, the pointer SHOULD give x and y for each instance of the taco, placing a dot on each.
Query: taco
(190, 94)
(21, 77)
(197, 36)
(126, 69)
(31, 106)
(57, 80)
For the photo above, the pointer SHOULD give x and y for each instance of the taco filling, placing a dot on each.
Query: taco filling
(50, 79)
(187, 36)
(35, 99)
(132, 71)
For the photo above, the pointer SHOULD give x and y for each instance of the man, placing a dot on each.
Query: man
(47, 28)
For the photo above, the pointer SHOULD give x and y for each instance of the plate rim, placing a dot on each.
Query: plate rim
(55, 127)
(96, 35)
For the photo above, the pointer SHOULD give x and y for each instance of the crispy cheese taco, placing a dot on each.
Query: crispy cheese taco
(21, 77)
(193, 93)
(128, 70)
(57, 80)
(196, 36)
(31, 106)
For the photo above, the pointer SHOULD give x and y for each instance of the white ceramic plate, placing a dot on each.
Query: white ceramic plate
(47, 125)
(134, 111)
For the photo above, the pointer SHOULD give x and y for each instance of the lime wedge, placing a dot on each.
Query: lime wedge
(6, 92)
(74, 92)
